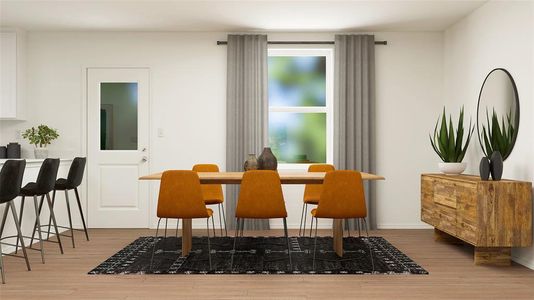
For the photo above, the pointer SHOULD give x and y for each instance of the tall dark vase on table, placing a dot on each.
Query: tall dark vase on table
(267, 160)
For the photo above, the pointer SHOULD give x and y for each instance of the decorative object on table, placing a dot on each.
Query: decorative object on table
(251, 163)
(3, 152)
(260, 256)
(484, 168)
(13, 150)
(450, 147)
(498, 113)
(267, 160)
(41, 137)
(496, 165)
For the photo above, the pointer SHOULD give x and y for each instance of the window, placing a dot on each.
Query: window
(300, 105)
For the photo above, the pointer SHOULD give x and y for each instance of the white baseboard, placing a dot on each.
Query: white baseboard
(525, 262)
(403, 226)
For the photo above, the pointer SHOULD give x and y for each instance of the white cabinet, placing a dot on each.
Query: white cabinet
(12, 75)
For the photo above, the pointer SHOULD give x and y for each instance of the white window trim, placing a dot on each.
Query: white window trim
(327, 52)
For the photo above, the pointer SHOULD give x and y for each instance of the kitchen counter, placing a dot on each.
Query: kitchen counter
(32, 162)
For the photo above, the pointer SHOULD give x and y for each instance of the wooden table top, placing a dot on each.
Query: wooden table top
(285, 177)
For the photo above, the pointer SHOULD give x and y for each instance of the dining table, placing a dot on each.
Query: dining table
(285, 178)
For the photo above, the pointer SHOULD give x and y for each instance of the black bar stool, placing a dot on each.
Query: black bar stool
(10, 183)
(74, 179)
(42, 187)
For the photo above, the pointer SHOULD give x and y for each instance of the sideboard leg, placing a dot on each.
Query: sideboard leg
(441, 236)
(494, 256)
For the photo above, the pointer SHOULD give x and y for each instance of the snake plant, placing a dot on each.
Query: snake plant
(498, 137)
(449, 146)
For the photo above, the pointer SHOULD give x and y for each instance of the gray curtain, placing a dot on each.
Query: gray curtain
(354, 107)
(246, 111)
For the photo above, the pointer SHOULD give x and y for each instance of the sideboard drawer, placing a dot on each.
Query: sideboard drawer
(445, 194)
(445, 217)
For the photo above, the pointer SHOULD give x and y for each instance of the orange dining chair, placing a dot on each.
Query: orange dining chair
(180, 197)
(260, 197)
(312, 192)
(342, 197)
(213, 194)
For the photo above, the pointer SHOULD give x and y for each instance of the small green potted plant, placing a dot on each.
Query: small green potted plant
(449, 143)
(41, 137)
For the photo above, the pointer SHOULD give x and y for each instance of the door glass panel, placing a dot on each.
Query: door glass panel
(118, 116)
(298, 137)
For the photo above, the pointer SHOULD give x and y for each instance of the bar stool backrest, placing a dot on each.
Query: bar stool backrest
(47, 176)
(74, 179)
(11, 179)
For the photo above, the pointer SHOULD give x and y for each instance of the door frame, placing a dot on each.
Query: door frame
(84, 145)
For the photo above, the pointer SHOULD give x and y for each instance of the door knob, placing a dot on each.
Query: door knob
(144, 159)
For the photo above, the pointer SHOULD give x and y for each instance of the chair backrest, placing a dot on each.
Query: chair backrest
(46, 179)
(180, 196)
(260, 196)
(342, 196)
(74, 179)
(210, 191)
(11, 179)
(313, 191)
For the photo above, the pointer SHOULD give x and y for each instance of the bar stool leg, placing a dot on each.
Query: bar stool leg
(38, 220)
(3, 224)
(81, 213)
(35, 225)
(70, 217)
(2, 265)
(19, 232)
(54, 222)
(20, 222)
(50, 217)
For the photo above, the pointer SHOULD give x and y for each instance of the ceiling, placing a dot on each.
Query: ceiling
(233, 16)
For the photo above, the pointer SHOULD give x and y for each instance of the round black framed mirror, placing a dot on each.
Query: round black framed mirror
(498, 113)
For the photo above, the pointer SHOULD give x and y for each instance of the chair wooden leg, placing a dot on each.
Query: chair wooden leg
(288, 245)
(208, 230)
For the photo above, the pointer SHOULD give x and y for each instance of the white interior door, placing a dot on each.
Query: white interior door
(118, 139)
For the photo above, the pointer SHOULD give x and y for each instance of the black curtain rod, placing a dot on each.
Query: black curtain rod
(302, 43)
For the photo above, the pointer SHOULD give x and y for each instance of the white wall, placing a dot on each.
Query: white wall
(188, 91)
(498, 34)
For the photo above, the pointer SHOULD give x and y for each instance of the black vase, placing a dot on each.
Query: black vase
(267, 160)
(496, 165)
(484, 168)
(13, 150)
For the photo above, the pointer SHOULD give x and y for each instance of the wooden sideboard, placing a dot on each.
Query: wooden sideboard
(493, 216)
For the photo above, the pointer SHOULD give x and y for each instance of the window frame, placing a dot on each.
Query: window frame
(328, 109)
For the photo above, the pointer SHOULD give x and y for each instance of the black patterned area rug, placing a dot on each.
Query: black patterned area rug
(260, 255)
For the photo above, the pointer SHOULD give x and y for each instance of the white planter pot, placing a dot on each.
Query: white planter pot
(452, 168)
(40, 153)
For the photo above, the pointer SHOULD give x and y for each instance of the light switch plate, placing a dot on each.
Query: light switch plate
(160, 132)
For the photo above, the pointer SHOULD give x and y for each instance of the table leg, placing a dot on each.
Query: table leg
(338, 236)
(187, 236)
